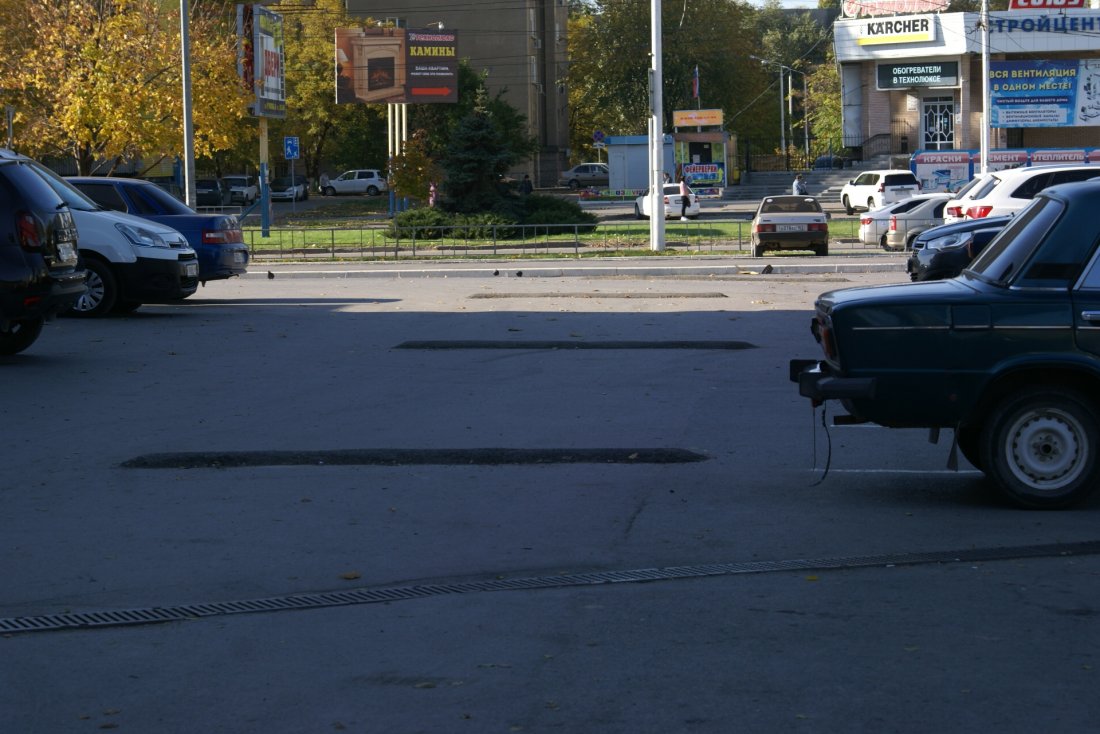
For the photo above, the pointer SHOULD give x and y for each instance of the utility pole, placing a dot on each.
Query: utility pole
(984, 136)
(656, 134)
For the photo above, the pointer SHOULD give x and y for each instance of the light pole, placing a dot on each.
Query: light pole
(782, 112)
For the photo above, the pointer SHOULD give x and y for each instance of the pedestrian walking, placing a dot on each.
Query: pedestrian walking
(323, 181)
(685, 199)
(431, 194)
(525, 186)
(799, 188)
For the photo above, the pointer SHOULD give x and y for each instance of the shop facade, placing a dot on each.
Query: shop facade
(914, 82)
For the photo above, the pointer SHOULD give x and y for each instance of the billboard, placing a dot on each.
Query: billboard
(1045, 93)
(396, 65)
(260, 58)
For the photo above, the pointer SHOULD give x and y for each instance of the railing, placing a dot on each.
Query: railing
(712, 236)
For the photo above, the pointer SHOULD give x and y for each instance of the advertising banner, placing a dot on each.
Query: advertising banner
(1045, 93)
(260, 57)
(930, 74)
(941, 170)
(396, 65)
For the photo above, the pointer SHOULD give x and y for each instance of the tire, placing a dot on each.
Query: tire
(870, 203)
(574, 184)
(885, 245)
(102, 292)
(758, 251)
(1040, 448)
(909, 241)
(329, 191)
(373, 191)
(19, 335)
(638, 211)
(821, 250)
(848, 207)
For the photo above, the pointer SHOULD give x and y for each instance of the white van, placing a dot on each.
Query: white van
(130, 261)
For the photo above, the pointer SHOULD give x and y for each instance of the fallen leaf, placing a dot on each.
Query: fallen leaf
(351, 575)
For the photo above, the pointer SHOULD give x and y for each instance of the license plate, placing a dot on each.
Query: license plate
(66, 252)
(191, 270)
(790, 228)
(238, 257)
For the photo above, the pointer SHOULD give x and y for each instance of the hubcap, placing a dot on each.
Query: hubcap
(1047, 449)
(94, 295)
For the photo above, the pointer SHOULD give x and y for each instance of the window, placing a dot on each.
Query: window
(1032, 186)
(1083, 174)
(901, 179)
(937, 210)
(105, 195)
(1007, 253)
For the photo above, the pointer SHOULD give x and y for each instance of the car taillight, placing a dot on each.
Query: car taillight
(765, 227)
(817, 227)
(954, 211)
(865, 221)
(977, 212)
(666, 201)
(26, 227)
(221, 236)
(893, 224)
(827, 344)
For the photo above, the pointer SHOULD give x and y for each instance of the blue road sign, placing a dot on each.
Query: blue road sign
(290, 148)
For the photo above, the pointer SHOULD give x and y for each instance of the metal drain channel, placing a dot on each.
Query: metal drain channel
(158, 615)
(548, 344)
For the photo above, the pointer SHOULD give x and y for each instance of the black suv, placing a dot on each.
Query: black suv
(38, 255)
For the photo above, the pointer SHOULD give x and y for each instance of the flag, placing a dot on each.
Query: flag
(695, 83)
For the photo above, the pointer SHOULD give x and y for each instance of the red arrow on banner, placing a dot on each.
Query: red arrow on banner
(429, 91)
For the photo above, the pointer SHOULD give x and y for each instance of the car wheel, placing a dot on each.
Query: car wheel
(1040, 447)
(122, 306)
(372, 191)
(574, 184)
(329, 191)
(101, 293)
(870, 203)
(821, 250)
(638, 211)
(885, 245)
(848, 207)
(19, 334)
(758, 251)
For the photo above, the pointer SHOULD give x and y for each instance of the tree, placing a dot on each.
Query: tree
(100, 82)
(823, 107)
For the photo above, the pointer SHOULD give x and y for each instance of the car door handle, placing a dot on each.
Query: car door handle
(1091, 316)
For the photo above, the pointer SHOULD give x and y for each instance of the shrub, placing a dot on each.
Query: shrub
(423, 223)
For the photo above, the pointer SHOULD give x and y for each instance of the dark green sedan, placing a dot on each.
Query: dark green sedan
(1007, 354)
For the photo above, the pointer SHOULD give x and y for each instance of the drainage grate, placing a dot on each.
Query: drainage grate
(551, 344)
(157, 615)
(598, 295)
(402, 457)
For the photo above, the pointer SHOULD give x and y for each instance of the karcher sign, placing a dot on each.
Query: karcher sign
(902, 29)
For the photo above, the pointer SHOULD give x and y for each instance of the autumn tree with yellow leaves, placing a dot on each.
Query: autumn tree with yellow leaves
(100, 81)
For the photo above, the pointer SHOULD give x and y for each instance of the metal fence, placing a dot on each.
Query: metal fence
(729, 236)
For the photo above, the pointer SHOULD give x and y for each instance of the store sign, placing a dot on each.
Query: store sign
(1045, 93)
(870, 8)
(1056, 23)
(902, 29)
(696, 118)
(1045, 4)
(908, 75)
(260, 59)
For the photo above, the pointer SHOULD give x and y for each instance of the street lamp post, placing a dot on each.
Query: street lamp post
(805, 96)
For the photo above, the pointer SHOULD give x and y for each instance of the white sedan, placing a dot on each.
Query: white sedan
(672, 203)
(875, 225)
(790, 223)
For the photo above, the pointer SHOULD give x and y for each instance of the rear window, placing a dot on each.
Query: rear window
(19, 177)
(155, 200)
(1007, 253)
(906, 206)
(965, 189)
(207, 183)
(986, 188)
(901, 179)
(790, 205)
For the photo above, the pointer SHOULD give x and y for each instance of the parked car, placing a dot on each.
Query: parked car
(672, 206)
(1007, 192)
(585, 175)
(243, 189)
(210, 192)
(39, 276)
(1007, 354)
(129, 261)
(949, 248)
(874, 189)
(790, 223)
(286, 189)
(216, 238)
(955, 209)
(920, 211)
(368, 181)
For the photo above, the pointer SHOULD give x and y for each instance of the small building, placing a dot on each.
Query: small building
(628, 162)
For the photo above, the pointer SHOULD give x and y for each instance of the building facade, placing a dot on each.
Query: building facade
(915, 81)
(522, 46)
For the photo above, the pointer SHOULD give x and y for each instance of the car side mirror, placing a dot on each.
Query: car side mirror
(852, 181)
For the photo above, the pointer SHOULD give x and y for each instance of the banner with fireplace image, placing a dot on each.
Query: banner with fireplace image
(396, 66)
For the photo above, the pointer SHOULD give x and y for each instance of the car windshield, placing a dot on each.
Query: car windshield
(283, 181)
(231, 181)
(1006, 254)
(68, 193)
(673, 190)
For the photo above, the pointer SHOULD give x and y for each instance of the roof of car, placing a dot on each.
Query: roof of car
(1025, 170)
